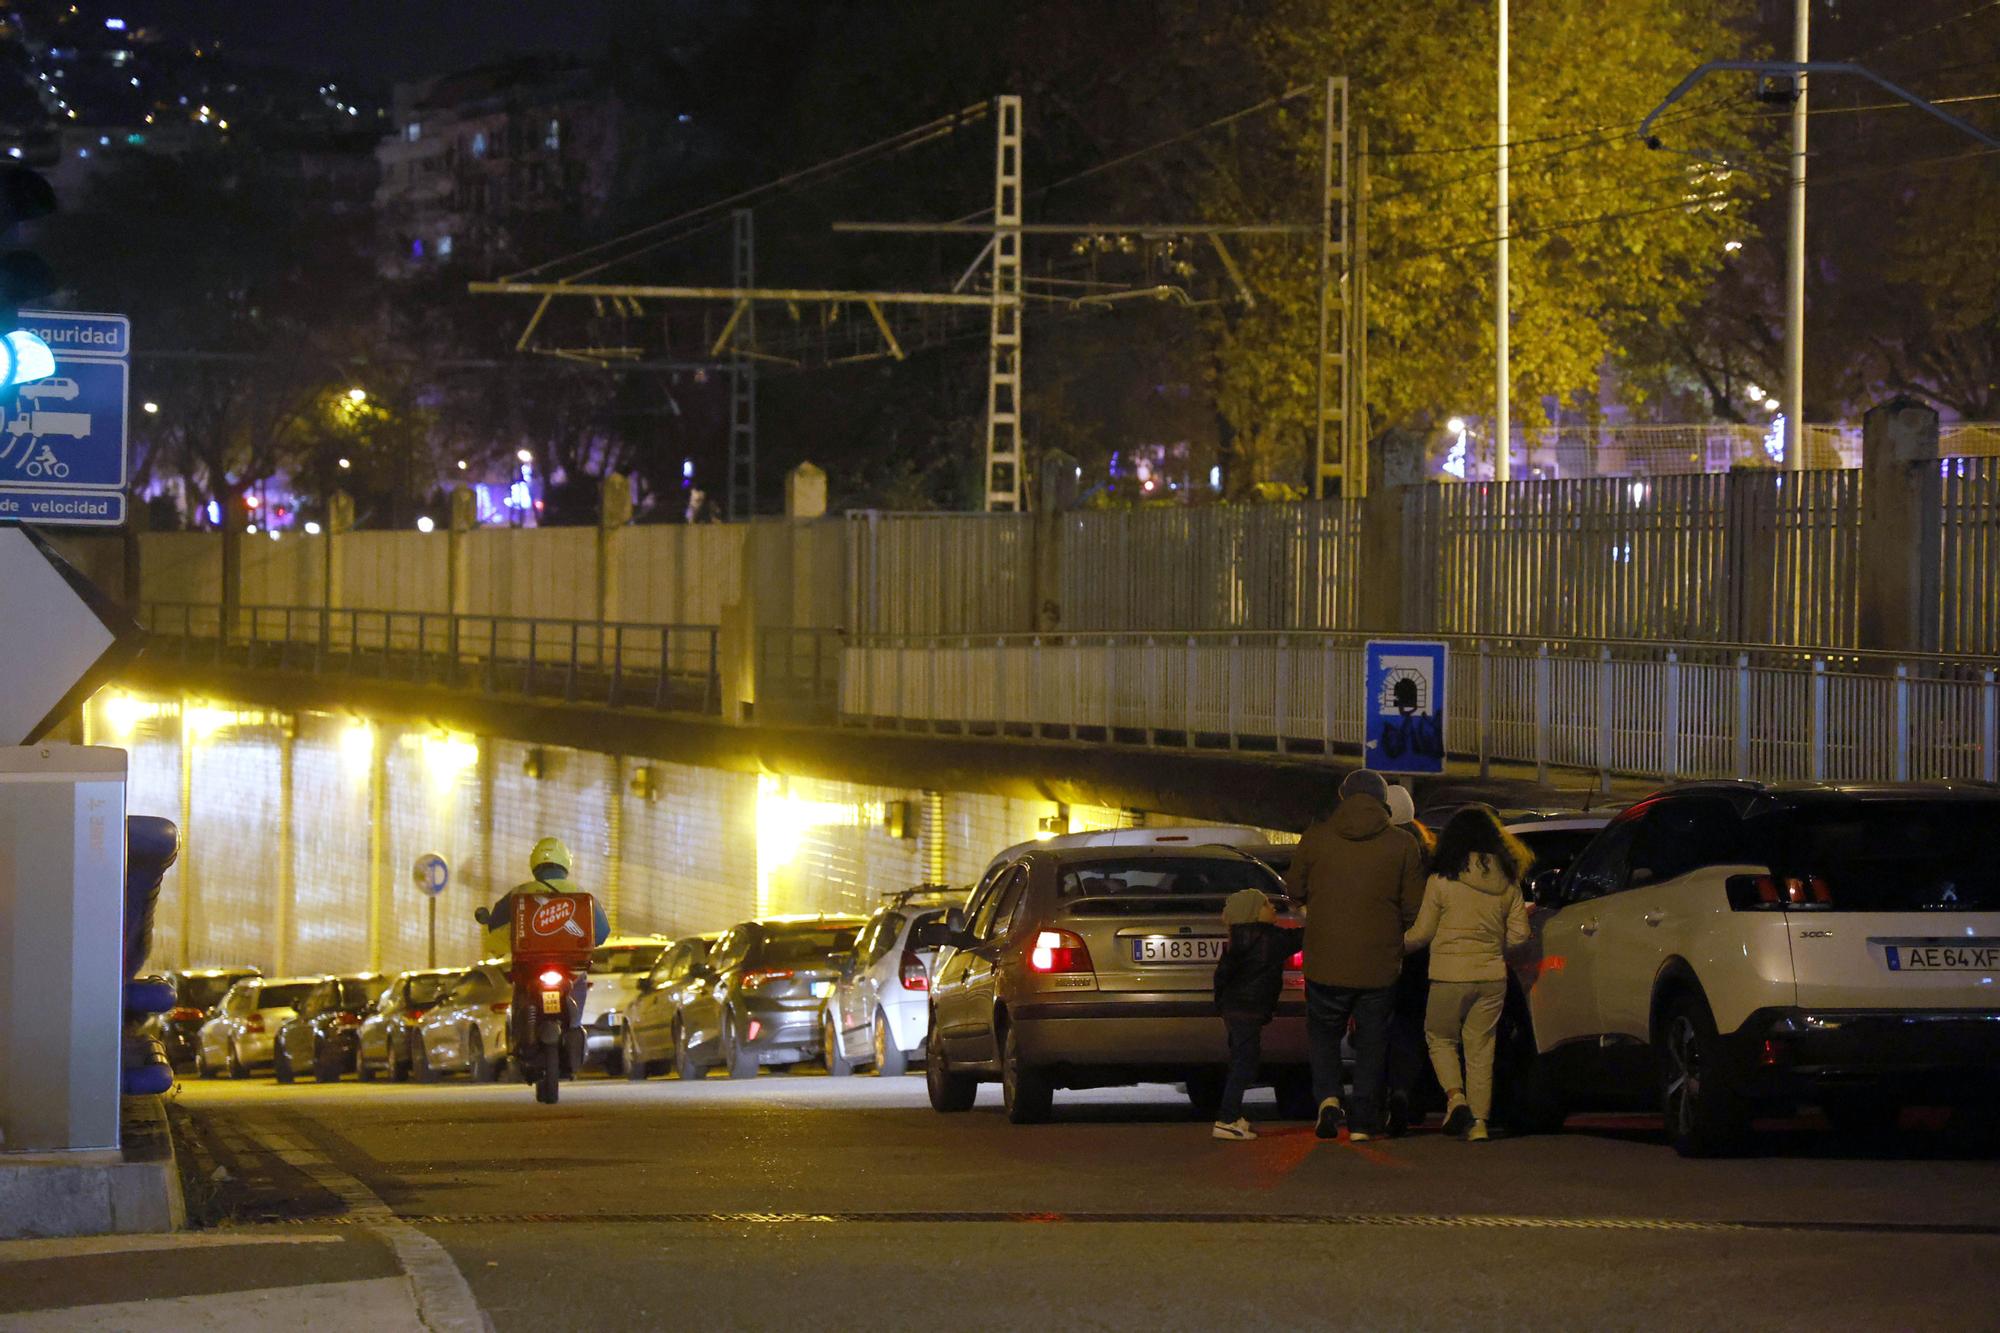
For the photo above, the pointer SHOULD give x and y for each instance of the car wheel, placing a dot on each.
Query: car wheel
(685, 1067)
(890, 1062)
(237, 1069)
(1204, 1093)
(399, 1066)
(420, 1062)
(636, 1069)
(738, 1062)
(326, 1066)
(829, 1040)
(482, 1069)
(1704, 1116)
(949, 1092)
(202, 1068)
(281, 1065)
(1024, 1090)
(363, 1071)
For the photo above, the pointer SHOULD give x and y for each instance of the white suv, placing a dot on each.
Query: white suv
(1726, 947)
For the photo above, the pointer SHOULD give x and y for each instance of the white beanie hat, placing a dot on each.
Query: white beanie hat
(1402, 806)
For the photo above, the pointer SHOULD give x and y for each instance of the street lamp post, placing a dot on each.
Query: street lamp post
(1795, 256)
(1502, 428)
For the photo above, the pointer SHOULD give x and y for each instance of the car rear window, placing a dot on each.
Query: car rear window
(1159, 883)
(428, 990)
(358, 995)
(1893, 856)
(207, 992)
(626, 958)
(798, 946)
(284, 997)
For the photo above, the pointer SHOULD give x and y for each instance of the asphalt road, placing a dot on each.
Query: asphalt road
(799, 1200)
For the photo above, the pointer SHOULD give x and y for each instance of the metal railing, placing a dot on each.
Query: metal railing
(624, 665)
(1616, 708)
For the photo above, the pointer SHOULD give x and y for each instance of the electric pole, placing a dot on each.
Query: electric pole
(1502, 426)
(1795, 255)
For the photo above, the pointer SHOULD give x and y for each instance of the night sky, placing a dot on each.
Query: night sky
(381, 40)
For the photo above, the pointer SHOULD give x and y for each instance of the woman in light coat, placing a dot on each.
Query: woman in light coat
(1471, 916)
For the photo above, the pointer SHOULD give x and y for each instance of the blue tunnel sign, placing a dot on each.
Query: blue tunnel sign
(1404, 707)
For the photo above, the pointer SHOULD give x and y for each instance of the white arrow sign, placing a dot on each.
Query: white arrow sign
(64, 637)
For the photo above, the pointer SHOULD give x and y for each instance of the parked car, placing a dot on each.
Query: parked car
(467, 1032)
(197, 992)
(879, 1012)
(1729, 947)
(321, 1036)
(616, 969)
(240, 1036)
(383, 1041)
(653, 1032)
(766, 986)
(1093, 967)
(1155, 835)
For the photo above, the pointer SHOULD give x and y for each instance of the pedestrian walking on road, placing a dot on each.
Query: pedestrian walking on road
(1472, 915)
(1408, 1055)
(1247, 981)
(1362, 880)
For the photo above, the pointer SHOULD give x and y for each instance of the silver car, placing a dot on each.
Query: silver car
(239, 1038)
(467, 1032)
(1095, 967)
(616, 969)
(383, 1045)
(879, 1013)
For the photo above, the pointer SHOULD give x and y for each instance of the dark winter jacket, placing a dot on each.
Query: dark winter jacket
(1362, 881)
(1252, 971)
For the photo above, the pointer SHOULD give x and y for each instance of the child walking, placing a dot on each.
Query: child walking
(1471, 916)
(1247, 982)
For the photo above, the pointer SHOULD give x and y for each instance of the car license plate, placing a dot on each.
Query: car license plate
(1178, 949)
(551, 1001)
(1941, 957)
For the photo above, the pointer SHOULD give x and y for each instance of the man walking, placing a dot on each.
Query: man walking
(1362, 881)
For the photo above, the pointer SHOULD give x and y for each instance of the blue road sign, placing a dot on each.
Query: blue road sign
(54, 507)
(431, 874)
(1404, 707)
(68, 430)
(68, 332)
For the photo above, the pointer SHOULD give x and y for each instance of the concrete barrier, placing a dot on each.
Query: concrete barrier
(97, 1193)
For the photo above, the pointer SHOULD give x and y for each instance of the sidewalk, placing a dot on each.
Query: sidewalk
(94, 1194)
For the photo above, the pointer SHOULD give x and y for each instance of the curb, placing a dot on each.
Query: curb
(94, 1194)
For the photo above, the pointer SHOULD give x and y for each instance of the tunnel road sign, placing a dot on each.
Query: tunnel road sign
(1403, 706)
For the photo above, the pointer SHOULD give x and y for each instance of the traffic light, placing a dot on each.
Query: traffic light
(24, 276)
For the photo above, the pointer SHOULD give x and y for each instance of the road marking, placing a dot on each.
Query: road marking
(444, 1301)
(1466, 1221)
(370, 1303)
(76, 1247)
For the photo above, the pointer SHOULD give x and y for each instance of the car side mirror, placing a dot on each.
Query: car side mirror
(1545, 889)
(480, 915)
(846, 962)
(701, 972)
(935, 935)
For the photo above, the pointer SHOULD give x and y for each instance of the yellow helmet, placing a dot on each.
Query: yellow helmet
(549, 852)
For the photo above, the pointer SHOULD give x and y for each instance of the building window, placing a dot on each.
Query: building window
(413, 131)
(553, 139)
(479, 144)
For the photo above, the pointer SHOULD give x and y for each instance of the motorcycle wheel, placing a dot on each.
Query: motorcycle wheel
(548, 1081)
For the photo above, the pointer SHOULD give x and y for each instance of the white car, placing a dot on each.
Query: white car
(879, 1012)
(467, 1031)
(1727, 947)
(616, 969)
(239, 1038)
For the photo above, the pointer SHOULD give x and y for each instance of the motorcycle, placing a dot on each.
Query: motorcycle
(551, 977)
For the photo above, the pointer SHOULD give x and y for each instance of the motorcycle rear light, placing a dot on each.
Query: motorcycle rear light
(553, 978)
(912, 972)
(1778, 893)
(758, 978)
(1058, 951)
(183, 1014)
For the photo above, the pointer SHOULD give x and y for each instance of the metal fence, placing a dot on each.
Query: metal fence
(658, 666)
(1617, 708)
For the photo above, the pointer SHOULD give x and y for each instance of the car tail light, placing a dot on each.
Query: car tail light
(553, 979)
(1056, 951)
(759, 977)
(502, 1007)
(1297, 962)
(348, 1020)
(912, 972)
(183, 1015)
(1777, 893)
(754, 1029)
(411, 1016)
(254, 1023)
